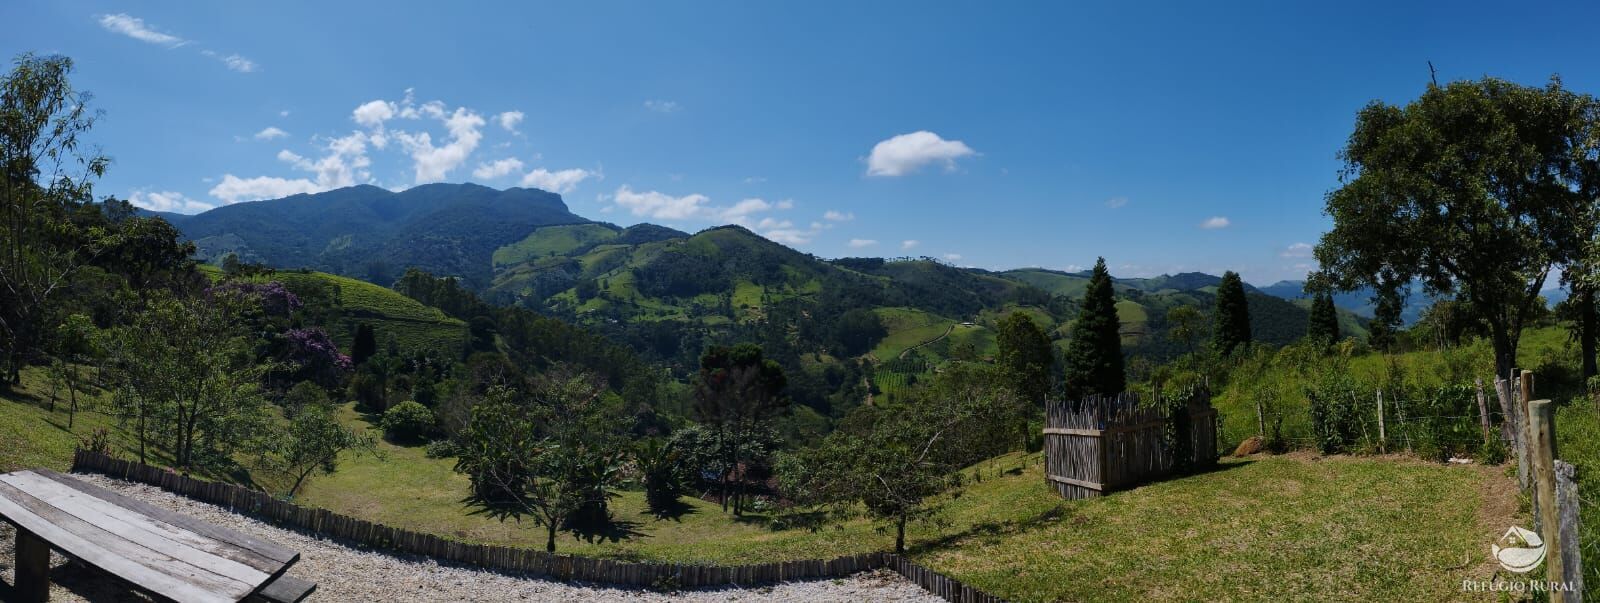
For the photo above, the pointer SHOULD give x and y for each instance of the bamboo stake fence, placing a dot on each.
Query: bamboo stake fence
(1104, 443)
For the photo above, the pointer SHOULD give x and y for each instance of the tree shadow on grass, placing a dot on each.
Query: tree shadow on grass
(610, 529)
(672, 511)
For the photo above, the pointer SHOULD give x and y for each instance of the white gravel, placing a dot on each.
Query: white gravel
(349, 574)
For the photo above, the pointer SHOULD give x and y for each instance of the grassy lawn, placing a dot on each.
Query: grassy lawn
(1277, 527)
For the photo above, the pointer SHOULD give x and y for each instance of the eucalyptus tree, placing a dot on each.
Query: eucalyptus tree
(46, 174)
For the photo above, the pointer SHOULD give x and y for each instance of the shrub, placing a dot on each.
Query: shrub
(407, 422)
(440, 449)
(661, 467)
(1335, 418)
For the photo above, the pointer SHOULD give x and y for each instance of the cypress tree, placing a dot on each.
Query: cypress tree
(1323, 325)
(365, 345)
(1232, 315)
(1094, 357)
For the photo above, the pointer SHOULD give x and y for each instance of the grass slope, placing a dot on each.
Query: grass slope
(412, 324)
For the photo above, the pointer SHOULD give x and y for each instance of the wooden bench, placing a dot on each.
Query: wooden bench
(167, 554)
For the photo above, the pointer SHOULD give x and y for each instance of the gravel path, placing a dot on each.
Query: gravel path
(343, 573)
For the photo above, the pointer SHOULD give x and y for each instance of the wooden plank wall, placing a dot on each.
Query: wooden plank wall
(1104, 443)
(536, 563)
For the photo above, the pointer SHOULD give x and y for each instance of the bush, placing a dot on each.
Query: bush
(662, 470)
(407, 422)
(1335, 416)
(442, 449)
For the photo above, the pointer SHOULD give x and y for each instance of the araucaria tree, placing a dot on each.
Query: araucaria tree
(551, 452)
(1322, 327)
(1475, 189)
(1094, 356)
(737, 393)
(1232, 328)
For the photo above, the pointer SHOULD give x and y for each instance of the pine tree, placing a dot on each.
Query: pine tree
(1094, 357)
(1323, 325)
(1232, 315)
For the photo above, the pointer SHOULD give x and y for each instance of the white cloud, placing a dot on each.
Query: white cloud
(559, 181)
(372, 114)
(660, 206)
(168, 201)
(509, 120)
(909, 243)
(1116, 202)
(952, 256)
(233, 61)
(135, 28)
(234, 189)
(907, 153)
(838, 216)
(754, 180)
(497, 168)
(1297, 250)
(1215, 222)
(433, 163)
(789, 236)
(742, 210)
(344, 164)
(283, 113)
(859, 243)
(661, 106)
(270, 133)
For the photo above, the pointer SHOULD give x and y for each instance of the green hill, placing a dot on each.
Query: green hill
(352, 302)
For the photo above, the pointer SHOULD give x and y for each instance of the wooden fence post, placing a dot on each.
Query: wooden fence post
(1483, 411)
(1261, 422)
(1543, 429)
(1383, 437)
(1519, 402)
(1567, 505)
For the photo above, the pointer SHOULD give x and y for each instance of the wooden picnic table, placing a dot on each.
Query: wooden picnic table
(167, 554)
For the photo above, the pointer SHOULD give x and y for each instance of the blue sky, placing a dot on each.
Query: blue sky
(1165, 136)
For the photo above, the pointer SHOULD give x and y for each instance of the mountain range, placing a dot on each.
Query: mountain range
(670, 291)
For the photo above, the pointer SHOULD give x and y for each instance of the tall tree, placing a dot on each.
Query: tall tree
(1094, 356)
(1185, 325)
(1322, 327)
(1474, 189)
(1232, 328)
(364, 346)
(45, 177)
(187, 374)
(1024, 356)
(1386, 306)
(738, 392)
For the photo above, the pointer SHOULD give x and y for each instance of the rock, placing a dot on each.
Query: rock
(1248, 447)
